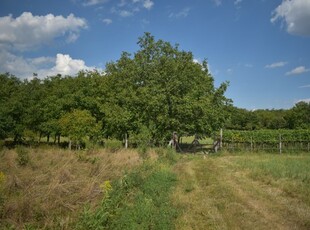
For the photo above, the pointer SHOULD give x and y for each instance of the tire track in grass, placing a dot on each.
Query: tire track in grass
(215, 194)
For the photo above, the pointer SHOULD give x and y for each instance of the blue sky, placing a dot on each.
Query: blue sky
(261, 47)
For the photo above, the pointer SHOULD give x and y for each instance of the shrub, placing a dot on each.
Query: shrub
(22, 156)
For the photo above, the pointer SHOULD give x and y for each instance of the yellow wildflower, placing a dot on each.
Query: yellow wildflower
(106, 186)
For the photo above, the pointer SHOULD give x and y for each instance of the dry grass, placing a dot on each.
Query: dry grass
(215, 193)
(52, 189)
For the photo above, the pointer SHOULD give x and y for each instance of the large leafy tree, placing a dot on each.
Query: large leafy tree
(162, 89)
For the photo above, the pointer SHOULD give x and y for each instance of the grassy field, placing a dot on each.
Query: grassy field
(50, 188)
(243, 192)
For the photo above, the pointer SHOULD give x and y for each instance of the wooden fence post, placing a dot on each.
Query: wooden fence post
(126, 141)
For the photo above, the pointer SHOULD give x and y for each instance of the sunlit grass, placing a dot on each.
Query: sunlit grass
(291, 173)
(241, 191)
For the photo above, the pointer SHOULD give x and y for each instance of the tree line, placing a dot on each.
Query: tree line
(297, 117)
(157, 90)
(148, 94)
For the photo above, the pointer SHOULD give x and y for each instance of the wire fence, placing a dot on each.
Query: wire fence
(266, 140)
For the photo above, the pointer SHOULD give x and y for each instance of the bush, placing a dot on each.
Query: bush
(22, 156)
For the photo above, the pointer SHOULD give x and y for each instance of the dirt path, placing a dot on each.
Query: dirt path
(214, 194)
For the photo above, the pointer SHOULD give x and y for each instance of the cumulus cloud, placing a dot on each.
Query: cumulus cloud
(65, 65)
(276, 65)
(298, 70)
(28, 31)
(296, 16)
(43, 66)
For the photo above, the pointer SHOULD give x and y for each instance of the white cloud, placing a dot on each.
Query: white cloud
(181, 14)
(28, 31)
(107, 21)
(276, 64)
(43, 66)
(295, 14)
(298, 70)
(148, 4)
(65, 65)
(304, 86)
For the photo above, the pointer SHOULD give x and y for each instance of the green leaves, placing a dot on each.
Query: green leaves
(78, 124)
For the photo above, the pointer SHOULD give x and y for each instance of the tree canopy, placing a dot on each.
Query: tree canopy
(163, 89)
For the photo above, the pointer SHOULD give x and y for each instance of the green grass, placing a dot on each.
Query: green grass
(291, 173)
(139, 200)
(243, 191)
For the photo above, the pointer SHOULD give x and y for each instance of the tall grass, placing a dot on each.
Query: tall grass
(50, 190)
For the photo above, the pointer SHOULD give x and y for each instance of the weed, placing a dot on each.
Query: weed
(22, 156)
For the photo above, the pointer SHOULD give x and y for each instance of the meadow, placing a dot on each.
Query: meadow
(52, 188)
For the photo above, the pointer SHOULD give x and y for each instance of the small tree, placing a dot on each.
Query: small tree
(79, 124)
